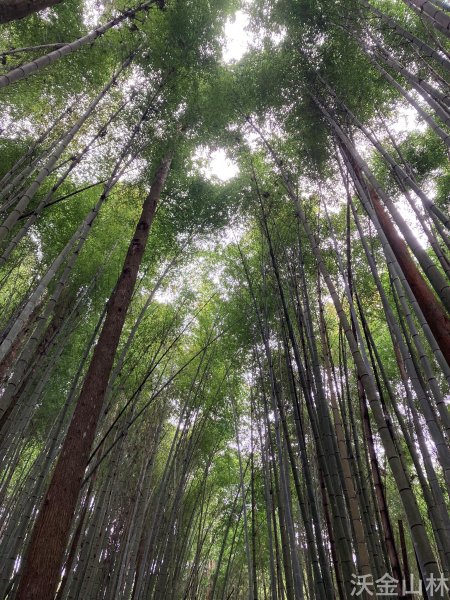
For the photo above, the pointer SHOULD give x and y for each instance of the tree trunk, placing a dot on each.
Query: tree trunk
(423, 547)
(10, 10)
(49, 165)
(47, 59)
(407, 35)
(46, 551)
(433, 311)
(437, 18)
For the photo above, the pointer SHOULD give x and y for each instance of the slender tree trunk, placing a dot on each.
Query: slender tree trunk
(243, 494)
(433, 311)
(46, 551)
(7, 363)
(424, 549)
(28, 195)
(437, 18)
(51, 57)
(407, 35)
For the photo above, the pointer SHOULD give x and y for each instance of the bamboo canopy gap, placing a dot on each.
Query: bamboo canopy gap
(224, 300)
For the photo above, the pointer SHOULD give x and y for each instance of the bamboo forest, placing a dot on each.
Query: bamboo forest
(224, 299)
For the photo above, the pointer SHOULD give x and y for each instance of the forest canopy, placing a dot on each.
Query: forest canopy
(224, 299)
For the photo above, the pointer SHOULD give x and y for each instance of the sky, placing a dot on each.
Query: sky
(216, 163)
(237, 37)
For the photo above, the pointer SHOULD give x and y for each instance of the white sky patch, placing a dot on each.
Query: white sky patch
(165, 295)
(221, 166)
(13, 128)
(215, 163)
(93, 11)
(233, 234)
(47, 14)
(37, 240)
(237, 37)
(406, 120)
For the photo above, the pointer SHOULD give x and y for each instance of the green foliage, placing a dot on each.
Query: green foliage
(214, 340)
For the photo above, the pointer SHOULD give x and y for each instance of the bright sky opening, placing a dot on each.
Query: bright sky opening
(237, 37)
(215, 163)
(221, 166)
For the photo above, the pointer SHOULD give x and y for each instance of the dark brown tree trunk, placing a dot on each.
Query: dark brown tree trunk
(74, 545)
(10, 10)
(433, 311)
(42, 565)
